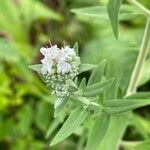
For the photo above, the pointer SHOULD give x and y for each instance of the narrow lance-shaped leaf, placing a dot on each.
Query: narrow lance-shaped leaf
(100, 12)
(119, 106)
(36, 67)
(98, 131)
(76, 48)
(97, 88)
(52, 127)
(86, 67)
(113, 8)
(59, 106)
(115, 131)
(139, 95)
(97, 73)
(76, 118)
(82, 85)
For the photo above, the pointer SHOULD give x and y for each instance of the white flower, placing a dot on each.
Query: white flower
(47, 65)
(59, 65)
(63, 67)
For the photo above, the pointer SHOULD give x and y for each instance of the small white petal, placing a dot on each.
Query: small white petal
(63, 67)
(43, 50)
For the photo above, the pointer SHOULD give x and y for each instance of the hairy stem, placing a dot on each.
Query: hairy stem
(140, 60)
(140, 7)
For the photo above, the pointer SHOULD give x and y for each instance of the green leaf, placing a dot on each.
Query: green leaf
(8, 51)
(59, 106)
(145, 73)
(141, 124)
(56, 122)
(113, 9)
(97, 131)
(75, 119)
(123, 105)
(139, 95)
(72, 86)
(76, 48)
(42, 115)
(97, 88)
(97, 73)
(115, 131)
(82, 85)
(36, 67)
(100, 12)
(136, 145)
(86, 67)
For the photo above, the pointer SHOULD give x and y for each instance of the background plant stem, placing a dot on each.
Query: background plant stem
(139, 6)
(140, 60)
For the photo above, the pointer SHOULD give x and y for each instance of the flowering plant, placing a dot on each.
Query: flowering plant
(59, 69)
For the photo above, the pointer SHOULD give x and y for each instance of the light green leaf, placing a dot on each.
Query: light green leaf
(8, 52)
(76, 118)
(115, 131)
(82, 85)
(113, 9)
(86, 67)
(119, 106)
(52, 128)
(100, 12)
(72, 86)
(76, 48)
(139, 95)
(141, 124)
(97, 131)
(36, 67)
(59, 106)
(43, 113)
(97, 88)
(97, 73)
(136, 145)
(145, 73)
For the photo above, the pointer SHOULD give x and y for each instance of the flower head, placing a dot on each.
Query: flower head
(59, 65)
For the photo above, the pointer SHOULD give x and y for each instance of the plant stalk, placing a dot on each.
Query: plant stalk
(140, 7)
(140, 60)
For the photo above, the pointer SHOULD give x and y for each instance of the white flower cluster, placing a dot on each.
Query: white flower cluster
(58, 66)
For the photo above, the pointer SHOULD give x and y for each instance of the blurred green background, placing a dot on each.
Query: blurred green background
(26, 105)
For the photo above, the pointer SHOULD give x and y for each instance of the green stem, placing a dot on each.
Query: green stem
(139, 6)
(140, 60)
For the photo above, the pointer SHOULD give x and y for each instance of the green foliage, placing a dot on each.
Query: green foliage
(97, 132)
(75, 119)
(119, 106)
(97, 112)
(100, 12)
(113, 8)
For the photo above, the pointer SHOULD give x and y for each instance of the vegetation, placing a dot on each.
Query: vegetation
(107, 107)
